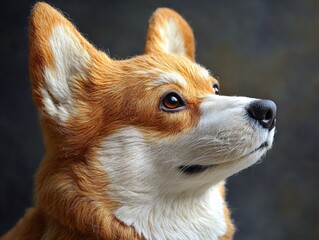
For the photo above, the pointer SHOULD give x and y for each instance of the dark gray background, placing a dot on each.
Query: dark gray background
(257, 48)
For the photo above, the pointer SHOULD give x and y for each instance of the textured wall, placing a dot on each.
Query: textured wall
(257, 48)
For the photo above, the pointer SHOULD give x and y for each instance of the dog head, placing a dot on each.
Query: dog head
(155, 123)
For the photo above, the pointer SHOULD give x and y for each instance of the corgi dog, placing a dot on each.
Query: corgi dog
(137, 148)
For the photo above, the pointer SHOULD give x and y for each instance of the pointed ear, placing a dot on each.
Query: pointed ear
(59, 60)
(168, 32)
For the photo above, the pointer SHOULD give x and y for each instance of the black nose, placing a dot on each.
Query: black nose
(264, 111)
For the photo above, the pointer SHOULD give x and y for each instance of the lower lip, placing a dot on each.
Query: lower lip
(263, 145)
(194, 169)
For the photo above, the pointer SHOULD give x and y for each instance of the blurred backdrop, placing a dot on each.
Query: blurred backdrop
(258, 48)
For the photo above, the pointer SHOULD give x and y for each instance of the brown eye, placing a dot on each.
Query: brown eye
(172, 102)
(216, 88)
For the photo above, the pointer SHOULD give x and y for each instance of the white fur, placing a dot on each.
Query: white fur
(145, 202)
(158, 199)
(182, 217)
(203, 72)
(70, 63)
(172, 38)
(225, 135)
(169, 78)
(57, 111)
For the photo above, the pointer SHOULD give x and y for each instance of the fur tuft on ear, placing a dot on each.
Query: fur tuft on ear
(168, 32)
(59, 61)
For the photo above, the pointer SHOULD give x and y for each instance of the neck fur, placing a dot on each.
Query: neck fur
(178, 217)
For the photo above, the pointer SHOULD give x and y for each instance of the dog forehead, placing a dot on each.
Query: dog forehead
(157, 70)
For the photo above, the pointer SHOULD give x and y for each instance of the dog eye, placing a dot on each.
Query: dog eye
(216, 88)
(172, 102)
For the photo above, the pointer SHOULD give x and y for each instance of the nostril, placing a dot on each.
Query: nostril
(264, 111)
(269, 115)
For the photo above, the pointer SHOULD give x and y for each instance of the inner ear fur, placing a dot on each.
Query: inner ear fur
(168, 32)
(59, 61)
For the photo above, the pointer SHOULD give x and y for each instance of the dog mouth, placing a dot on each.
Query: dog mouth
(193, 169)
(263, 145)
(197, 168)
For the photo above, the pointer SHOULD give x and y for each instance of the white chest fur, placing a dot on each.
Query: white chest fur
(182, 218)
(140, 184)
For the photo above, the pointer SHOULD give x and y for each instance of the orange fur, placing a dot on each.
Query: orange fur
(230, 226)
(159, 17)
(69, 201)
